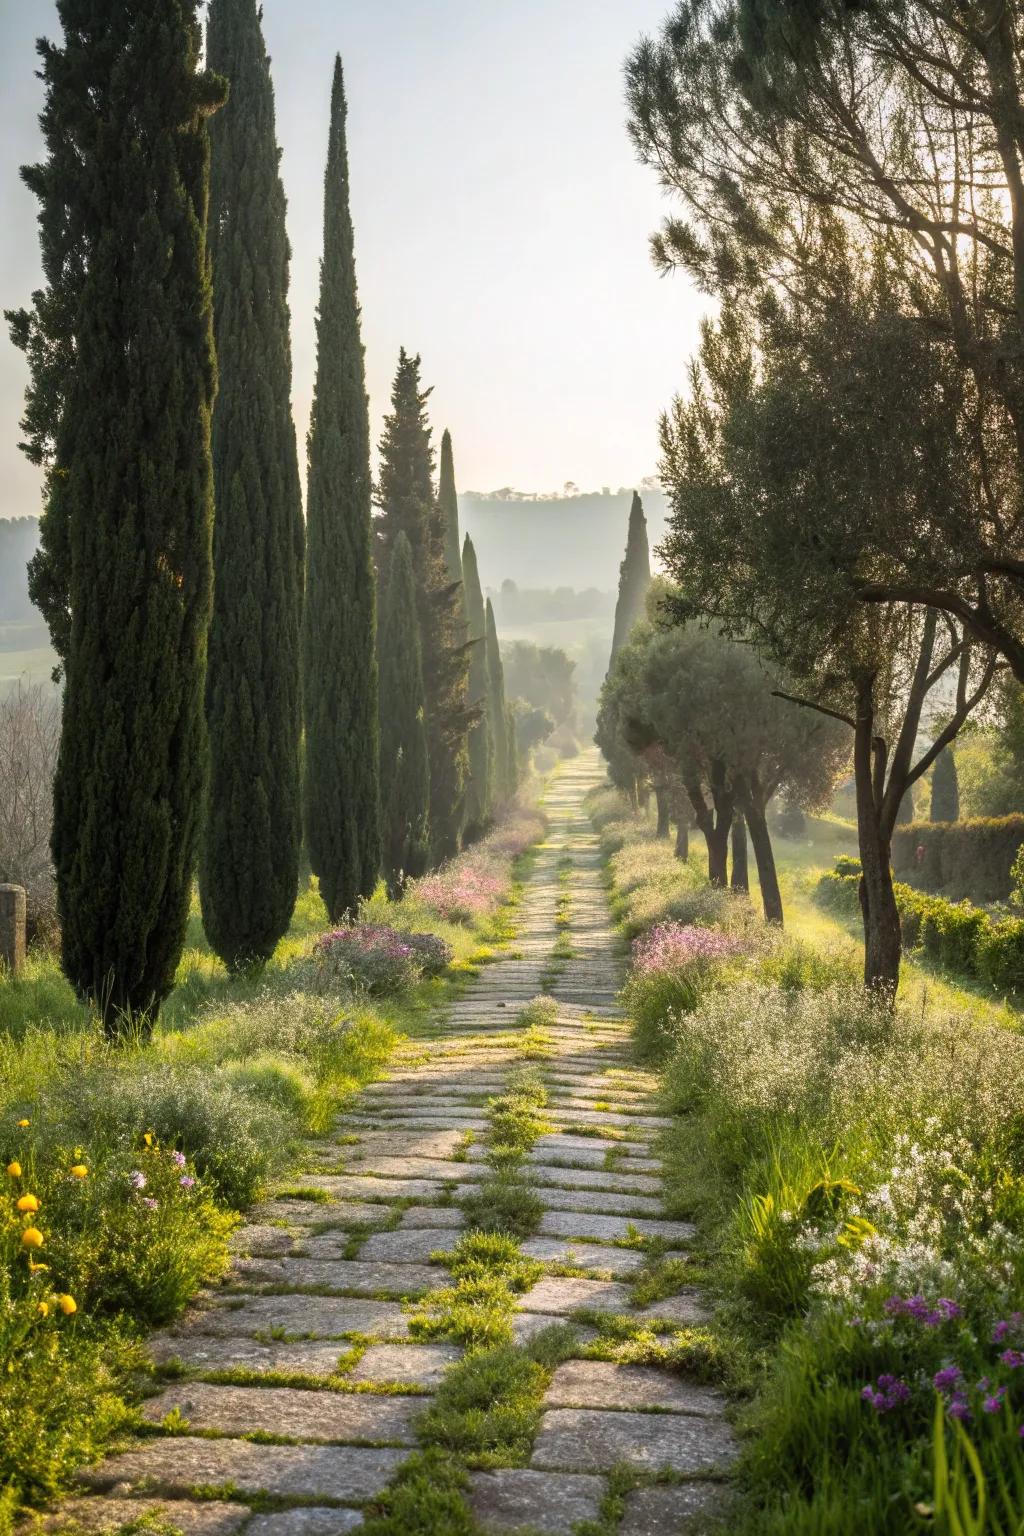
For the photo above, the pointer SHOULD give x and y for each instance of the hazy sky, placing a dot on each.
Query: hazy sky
(501, 225)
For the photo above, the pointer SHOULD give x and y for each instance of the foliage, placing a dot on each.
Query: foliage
(945, 804)
(448, 503)
(378, 960)
(964, 939)
(964, 858)
(249, 864)
(29, 735)
(672, 966)
(404, 761)
(471, 886)
(339, 661)
(482, 744)
(405, 495)
(634, 577)
(122, 384)
(506, 770)
(543, 676)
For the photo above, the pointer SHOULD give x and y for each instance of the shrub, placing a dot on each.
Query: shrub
(378, 960)
(960, 858)
(673, 966)
(1000, 955)
(281, 1081)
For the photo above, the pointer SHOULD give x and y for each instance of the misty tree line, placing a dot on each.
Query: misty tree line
(845, 469)
(236, 679)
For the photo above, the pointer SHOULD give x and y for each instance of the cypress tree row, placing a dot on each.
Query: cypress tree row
(498, 717)
(341, 794)
(404, 763)
(123, 380)
(448, 501)
(945, 788)
(480, 784)
(406, 497)
(248, 871)
(634, 577)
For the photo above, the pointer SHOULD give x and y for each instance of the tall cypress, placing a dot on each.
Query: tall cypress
(123, 380)
(498, 722)
(480, 786)
(448, 501)
(407, 501)
(634, 577)
(945, 788)
(248, 871)
(341, 792)
(404, 762)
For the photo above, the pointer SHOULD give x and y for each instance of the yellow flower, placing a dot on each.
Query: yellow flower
(67, 1304)
(148, 1138)
(79, 1171)
(28, 1205)
(36, 1269)
(23, 1124)
(32, 1238)
(14, 1169)
(43, 1309)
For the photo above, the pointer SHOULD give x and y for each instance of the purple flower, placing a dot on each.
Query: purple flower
(947, 1379)
(958, 1408)
(1012, 1357)
(137, 1180)
(178, 1158)
(150, 1203)
(187, 1182)
(920, 1310)
(993, 1403)
(680, 946)
(890, 1393)
(1006, 1326)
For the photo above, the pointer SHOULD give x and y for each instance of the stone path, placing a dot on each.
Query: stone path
(308, 1348)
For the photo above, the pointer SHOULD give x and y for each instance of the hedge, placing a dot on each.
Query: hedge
(959, 858)
(958, 936)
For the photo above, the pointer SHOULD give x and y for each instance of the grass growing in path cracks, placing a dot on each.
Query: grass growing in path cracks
(506, 1201)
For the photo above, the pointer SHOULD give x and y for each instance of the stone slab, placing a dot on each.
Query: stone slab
(290, 1412)
(611, 1179)
(557, 1145)
(326, 1317)
(317, 1213)
(205, 1354)
(348, 1474)
(594, 1440)
(685, 1309)
(412, 1246)
(601, 1256)
(353, 1276)
(306, 1522)
(414, 1365)
(664, 1511)
(595, 1201)
(431, 1216)
(363, 1186)
(527, 1325)
(610, 1229)
(110, 1514)
(603, 1384)
(556, 1294)
(516, 1499)
(258, 1239)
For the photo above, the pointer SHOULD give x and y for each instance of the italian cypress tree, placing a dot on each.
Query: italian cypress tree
(248, 871)
(342, 794)
(480, 786)
(945, 788)
(634, 577)
(406, 497)
(498, 722)
(404, 761)
(123, 380)
(448, 501)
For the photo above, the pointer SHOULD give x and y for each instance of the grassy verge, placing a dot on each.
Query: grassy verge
(858, 1175)
(128, 1166)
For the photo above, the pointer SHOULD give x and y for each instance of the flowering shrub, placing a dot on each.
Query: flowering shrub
(378, 960)
(475, 883)
(673, 965)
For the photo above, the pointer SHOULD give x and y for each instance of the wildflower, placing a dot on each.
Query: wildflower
(28, 1205)
(137, 1180)
(32, 1238)
(148, 1138)
(1012, 1357)
(947, 1379)
(79, 1171)
(178, 1158)
(14, 1169)
(43, 1309)
(67, 1304)
(150, 1204)
(994, 1402)
(187, 1182)
(958, 1408)
(890, 1393)
(23, 1125)
(36, 1269)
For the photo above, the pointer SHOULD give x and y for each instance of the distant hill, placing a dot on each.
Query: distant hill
(555, 541)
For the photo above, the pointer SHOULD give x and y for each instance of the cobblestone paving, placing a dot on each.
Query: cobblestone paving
(303, 1289)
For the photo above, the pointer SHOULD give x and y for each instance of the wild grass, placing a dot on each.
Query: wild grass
(858, 1175)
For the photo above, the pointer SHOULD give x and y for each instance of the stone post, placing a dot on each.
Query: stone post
(12, 927)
